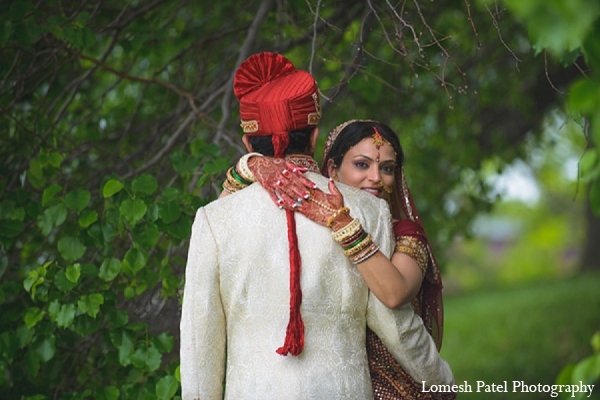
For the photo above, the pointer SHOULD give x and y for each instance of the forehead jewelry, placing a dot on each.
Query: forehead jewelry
(377, 141)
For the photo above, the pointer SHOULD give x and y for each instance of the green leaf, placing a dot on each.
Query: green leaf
(183, 163)
(66, 315)
(11, 228)
(85, 325)
(146, 234)
(33, 316)
(10, 343)
(109, 269)
(70, 248)
(216, 166)
(107, 393)
(55, 159)
(62, 283)
(49, 193)
(24, 334)
(152, 213)
(45, 348)
(87, 218)
(170, 194)
(166, 387)
(133, 210)
(588, 163)
(82, 18)
(584, 96)
(89, 270)
(58, 213)
(33, 279)
(112, 187)
(78, 200)
(135, 260)
(164, 342)
(45, 223)
(129, 293)
(146, 358)
(117, 318)
(90, 304)
(73, 272)
(178, 373)
(35, 175)
(32, 361)
(169, 212)
(123, 341)
(145, 183)
(181, 229)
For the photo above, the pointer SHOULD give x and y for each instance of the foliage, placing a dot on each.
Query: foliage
(567, 29)
(533, 238)
(586, 370)
(522, 333)
(118, 119)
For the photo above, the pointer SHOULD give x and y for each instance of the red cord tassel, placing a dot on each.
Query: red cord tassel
(294, 337)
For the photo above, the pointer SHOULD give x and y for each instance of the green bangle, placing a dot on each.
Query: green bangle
(239, 178)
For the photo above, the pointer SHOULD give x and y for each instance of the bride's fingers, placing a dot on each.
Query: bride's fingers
(336, 193)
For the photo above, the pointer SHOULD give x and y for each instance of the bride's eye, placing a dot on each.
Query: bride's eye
(361, 165)
(388, 169)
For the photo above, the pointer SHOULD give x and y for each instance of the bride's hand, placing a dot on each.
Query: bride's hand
(281, 179)
(320, 207)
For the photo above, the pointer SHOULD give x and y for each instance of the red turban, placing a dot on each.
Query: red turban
(275, 98)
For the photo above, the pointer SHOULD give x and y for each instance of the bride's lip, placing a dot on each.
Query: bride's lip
(373, 191)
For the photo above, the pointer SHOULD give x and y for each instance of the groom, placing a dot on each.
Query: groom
(272, 306)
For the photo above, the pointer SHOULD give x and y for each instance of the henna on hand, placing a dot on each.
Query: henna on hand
(320, 206)
(281, 179)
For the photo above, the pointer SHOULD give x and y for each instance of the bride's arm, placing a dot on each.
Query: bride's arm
(394, 282)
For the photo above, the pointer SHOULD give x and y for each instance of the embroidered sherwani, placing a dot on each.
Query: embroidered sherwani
(236, 306)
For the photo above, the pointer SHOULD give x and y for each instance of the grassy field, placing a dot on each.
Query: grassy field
(525, 333)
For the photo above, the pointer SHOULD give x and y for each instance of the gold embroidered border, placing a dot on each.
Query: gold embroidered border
(413, 248)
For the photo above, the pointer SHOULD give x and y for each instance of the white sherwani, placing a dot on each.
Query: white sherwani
(236, 306)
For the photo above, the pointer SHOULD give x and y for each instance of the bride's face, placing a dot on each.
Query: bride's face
(368, 168)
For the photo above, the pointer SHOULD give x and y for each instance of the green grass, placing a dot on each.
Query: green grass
(526, 333)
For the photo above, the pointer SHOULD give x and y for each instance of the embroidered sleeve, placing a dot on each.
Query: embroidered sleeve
(413, 248)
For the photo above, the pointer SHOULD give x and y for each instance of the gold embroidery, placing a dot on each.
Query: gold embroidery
(313, 118)
(413, 248)
(249, 126)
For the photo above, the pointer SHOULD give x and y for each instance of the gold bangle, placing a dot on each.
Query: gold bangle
(360, 247)
(342, 235)
(335, 214)
(365, 254)
(243, 169)
(232, 181)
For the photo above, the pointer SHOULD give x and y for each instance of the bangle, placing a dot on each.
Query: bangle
(359, 247)
(347, 232)
(242, 167)
(238, 178)
(232, 184)
(335, 214)
(365, 254)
